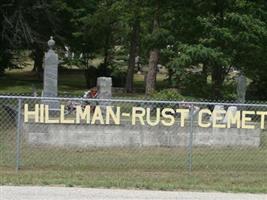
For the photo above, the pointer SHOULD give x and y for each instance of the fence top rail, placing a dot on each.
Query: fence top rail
(190, 103)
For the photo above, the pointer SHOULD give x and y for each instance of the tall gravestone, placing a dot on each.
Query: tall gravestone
(51, 74)
(241, 88)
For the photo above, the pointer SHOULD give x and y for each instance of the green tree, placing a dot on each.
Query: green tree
(231, 33)
(134, 16)
(95, 30)
(26, 24)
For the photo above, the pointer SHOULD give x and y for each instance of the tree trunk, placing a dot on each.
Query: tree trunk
(218, 75)
(38, 56)
(204, 74)
(90, 72)
(133, 53)
(152, 71)
(218, 72)
(106, 54)
(2, 70)
(153, 58)
(90, 78)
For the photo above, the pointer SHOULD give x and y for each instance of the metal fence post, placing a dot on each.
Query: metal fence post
(190, 139)
(18, 131)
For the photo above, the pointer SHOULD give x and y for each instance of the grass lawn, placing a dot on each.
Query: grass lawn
(71, 82)
(18, 81)
(214, 169)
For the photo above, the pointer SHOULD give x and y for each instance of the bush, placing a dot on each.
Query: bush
(192, 84)
(171, 94)
(118, 78)
(90, 77)
(257, 91)
(103, 70)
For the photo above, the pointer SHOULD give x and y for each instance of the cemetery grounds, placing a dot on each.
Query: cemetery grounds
(235, 169)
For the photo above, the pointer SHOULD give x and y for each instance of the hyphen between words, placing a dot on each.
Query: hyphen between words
(144, 116)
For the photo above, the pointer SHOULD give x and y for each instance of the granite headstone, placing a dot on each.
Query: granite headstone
(104, 87)
(241, 88)
(51, 75)
(104, 90)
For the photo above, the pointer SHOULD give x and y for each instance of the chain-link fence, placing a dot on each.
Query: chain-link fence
(122, 140)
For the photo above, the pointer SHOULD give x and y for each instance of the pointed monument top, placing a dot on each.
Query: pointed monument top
(51, 43)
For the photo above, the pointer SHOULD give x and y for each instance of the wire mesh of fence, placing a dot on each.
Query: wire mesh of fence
(134, 137)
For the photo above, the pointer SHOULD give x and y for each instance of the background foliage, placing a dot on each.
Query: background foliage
(200, 43)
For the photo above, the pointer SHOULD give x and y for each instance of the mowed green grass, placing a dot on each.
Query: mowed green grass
(214, 169)
(70, 82)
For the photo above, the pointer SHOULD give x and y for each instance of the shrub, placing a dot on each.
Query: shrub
(171, 94)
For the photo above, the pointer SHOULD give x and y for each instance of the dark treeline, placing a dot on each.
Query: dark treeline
(200, 42)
